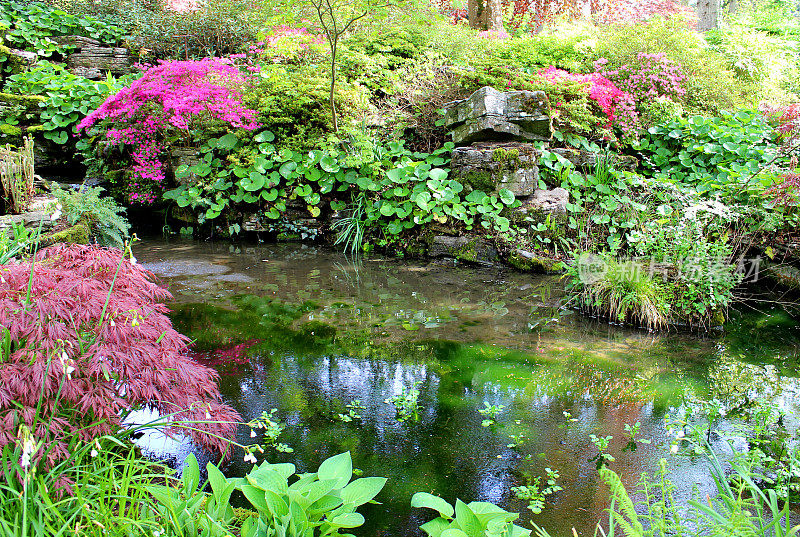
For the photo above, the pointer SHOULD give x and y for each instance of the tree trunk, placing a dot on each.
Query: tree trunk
(333, 86)
(478, 14)
(707, 14)
(495, 16)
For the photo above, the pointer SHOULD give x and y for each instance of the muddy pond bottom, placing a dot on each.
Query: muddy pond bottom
(329, 341)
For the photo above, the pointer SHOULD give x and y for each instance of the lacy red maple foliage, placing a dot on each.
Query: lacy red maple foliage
(87, 356)
(786, 122)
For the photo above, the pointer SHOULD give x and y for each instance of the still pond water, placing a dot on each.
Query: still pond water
(307, 330)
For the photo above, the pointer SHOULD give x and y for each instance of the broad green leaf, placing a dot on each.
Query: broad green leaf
(467, 520)
(253, 182)
(268, 479)
(329, 164)
(191, 474)
(255, 496)
(363, 490)
(429, 501)
(396, 175)
(348, 520)
(435, 527)
(299, 517)
(338, 467)
(276, 504)
(264, 136)
(455, 532)
(506, 196)
(228, 141)
(285, 469)
(438, 174)
(287, 168)
(325, 504)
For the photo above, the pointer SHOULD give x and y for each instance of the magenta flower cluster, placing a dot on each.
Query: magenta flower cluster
(652, 76)
(168, 97)
(618, 106)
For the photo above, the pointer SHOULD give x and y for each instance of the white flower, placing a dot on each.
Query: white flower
(674, 448)
(94, 453)
(29, 446)
(133, 260)
(67, 364)
(250, 458)
(681, 434)
(111, 322)
(208, 416)
(252, 433)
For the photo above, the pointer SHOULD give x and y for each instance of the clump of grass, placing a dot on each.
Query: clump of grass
(623, 291)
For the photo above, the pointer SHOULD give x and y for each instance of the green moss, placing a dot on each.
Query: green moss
(539, 265)
(27, 100)
(467, 252)
(717, 318)
(77, 234)
(10, 130)
(34, 128)
(480, 180)
(502, 154)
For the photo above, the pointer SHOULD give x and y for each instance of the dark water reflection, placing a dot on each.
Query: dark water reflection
(469, 336)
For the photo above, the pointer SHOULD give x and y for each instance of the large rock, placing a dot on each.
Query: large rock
(492, 166)
(547, 201)
(492, 115)
(92, 59)
(469, 249)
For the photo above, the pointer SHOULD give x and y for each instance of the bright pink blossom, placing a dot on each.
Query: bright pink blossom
(615, 103)
(169, 96)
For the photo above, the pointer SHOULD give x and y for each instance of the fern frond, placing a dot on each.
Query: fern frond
(625, 517)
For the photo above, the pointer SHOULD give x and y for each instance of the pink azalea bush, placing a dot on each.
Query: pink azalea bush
(169, 97)
(619, 106)
(653, 76)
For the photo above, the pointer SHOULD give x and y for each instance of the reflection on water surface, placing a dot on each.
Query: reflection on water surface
(307, 331)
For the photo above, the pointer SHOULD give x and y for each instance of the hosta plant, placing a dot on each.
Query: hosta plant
(475, 519)
(313, 504)
(88, 339)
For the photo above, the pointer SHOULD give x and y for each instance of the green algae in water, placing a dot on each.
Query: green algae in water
(601, 375)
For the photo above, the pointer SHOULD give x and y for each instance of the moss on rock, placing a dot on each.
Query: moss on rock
(528, 262)
(77, 234)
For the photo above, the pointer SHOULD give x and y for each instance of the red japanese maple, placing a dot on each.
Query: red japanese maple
(91, 339)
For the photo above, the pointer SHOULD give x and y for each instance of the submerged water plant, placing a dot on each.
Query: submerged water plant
(406, 403)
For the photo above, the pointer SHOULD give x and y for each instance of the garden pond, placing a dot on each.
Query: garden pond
(307, 330)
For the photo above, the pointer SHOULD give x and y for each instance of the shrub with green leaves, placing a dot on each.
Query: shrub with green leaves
(539, 52)
(711, 86)
(709, 152)
(292, 102)
(67, 98)
(214, 29)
